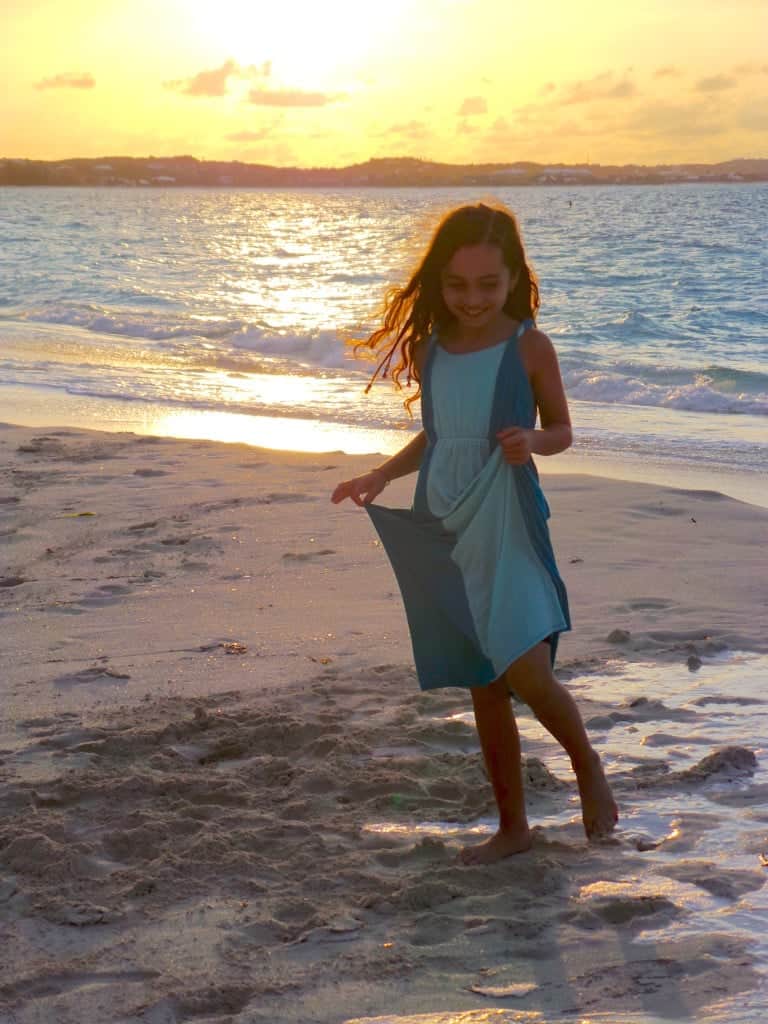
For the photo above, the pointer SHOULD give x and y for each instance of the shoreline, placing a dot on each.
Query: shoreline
(28, 407)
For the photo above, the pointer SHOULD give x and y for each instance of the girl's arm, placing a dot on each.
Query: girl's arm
(540, 361)
(406, 461)
(363, 489)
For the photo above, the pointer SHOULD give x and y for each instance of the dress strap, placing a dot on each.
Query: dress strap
(513, 401)
(427, 410)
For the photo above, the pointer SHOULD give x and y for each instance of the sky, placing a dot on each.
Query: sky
(321, 83)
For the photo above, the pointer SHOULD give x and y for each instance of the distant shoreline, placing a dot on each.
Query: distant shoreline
(187, 171)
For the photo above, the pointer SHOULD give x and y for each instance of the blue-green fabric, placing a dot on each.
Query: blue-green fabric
(472, 556)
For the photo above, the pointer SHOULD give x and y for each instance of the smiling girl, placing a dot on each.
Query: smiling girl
(472, 556)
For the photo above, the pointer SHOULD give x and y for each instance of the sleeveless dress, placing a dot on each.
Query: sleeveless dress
(472, 556)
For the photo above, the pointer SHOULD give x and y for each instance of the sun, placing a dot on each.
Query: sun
(306, 43)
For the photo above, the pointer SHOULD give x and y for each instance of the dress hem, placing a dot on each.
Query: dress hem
(511, 660)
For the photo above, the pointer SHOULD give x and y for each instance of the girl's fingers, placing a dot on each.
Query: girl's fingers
(361, 490)
(342, 491)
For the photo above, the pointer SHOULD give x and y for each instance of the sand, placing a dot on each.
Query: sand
(217, 773)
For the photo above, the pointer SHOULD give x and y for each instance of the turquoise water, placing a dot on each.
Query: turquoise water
(151, 307)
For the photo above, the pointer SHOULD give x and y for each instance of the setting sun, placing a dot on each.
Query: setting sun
(303, 84)
(303, 44)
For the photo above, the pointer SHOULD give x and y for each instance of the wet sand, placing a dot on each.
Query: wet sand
(223, 798)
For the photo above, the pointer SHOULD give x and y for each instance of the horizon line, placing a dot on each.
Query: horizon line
(373, 159)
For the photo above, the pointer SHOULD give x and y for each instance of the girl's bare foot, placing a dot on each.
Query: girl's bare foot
(598, 808)
(503, 844)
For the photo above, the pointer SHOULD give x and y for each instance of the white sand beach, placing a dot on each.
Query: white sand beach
(223, 797)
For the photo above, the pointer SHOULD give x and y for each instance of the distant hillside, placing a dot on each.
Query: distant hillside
(394, 172)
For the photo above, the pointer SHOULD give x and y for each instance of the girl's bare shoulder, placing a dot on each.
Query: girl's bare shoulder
(536, 349)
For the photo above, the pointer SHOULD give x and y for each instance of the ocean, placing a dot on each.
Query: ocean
(222, 313)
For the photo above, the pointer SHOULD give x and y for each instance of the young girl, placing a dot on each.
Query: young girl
(483, 597)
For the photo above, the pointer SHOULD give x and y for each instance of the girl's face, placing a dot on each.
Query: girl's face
(475, 285)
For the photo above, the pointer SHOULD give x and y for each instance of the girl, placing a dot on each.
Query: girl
(483, 597)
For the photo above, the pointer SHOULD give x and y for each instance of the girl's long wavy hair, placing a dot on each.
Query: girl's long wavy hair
(411, 313)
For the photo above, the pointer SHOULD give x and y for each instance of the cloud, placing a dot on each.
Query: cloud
(409, 129)
(716, 83)
(601, 87)
(465, 127)
(216, 81)
(68, 80)
(683, 120)
(751, 69)
(667, 72)
(205, 83)
(473, 105)
(289, 98)
(753, 117)
(246, 136)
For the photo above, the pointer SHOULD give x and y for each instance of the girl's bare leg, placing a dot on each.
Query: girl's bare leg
(500, 744)
(532, 680)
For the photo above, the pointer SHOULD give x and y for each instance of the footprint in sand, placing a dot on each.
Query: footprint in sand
(42, 446)
(621, 910)
(716, 880)
(657, 510)
(665, 739)
(108, 593)
(641, 709)
(306, 556)
(214, 1002)
(13, 581)
(48, 984)
(648, 603)
(282, 497)
(97, 674)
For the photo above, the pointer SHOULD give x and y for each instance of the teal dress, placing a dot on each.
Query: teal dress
(472, 556)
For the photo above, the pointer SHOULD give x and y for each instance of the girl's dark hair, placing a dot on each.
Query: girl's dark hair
(412, 312)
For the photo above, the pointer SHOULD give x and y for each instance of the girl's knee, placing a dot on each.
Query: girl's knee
(493, 693)
(532, 680)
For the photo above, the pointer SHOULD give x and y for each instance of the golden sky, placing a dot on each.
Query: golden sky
(335, 82)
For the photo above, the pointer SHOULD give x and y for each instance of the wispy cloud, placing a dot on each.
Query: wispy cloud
(601, 87)
(68, 80)
(247, 136)
(677, 120)
(667, 72)
(473, 105)
(465, 127)
(290, 98)
(409, 129)
(751, 69)
(753, 116)
(716, 83)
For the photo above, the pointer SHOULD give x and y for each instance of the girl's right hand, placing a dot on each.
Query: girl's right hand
(362, 489)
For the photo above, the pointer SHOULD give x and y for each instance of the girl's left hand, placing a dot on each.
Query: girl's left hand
(516, 445)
